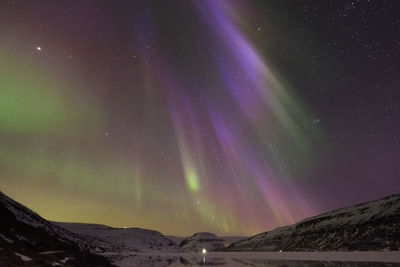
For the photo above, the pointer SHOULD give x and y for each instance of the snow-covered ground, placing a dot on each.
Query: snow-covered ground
(369, 258)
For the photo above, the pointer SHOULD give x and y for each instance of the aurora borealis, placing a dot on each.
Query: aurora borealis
(232, 117)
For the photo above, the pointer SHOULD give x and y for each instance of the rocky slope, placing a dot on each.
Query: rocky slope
(26, 239)
(202, 240)
(373, 225)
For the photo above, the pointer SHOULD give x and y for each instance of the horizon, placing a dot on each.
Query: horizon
(229, 117)
(218, 234)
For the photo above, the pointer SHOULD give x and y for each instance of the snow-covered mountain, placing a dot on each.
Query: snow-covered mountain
(26, 239)
(126, 239)
(202, 240)
(372, 225)
(227, 240)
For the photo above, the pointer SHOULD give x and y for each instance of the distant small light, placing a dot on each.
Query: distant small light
(204, 251)
(38, 48)
(124, 227)
(280, 250)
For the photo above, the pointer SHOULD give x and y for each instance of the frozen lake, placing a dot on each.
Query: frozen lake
(258, 259)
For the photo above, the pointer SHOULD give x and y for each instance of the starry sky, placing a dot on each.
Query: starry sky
(233, 117)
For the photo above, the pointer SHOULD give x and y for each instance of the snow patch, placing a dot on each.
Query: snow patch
(65, 259)
(22, 238)
(23, 257)
(51, 252)
(6, 239)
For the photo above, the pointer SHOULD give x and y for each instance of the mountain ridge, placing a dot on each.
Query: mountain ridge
(372, 225)
(125, 239)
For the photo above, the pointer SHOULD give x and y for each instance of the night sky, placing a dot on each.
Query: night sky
(232, 117)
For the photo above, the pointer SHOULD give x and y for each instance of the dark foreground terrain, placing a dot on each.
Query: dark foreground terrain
(26, 239)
